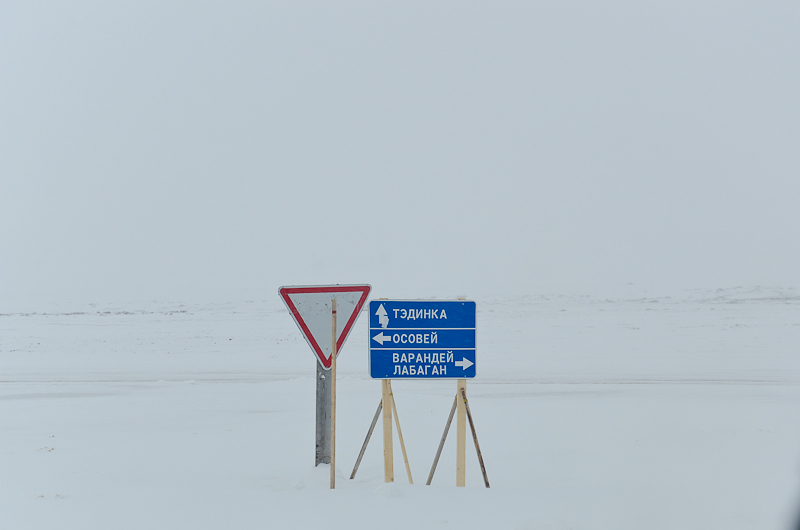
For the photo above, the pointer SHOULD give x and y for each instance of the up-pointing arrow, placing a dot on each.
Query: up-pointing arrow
(464, 363)
(383, 318)
(380, 338)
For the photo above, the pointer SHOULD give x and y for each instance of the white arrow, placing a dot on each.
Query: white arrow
(464, 363)
(383, 319)
(380, 338)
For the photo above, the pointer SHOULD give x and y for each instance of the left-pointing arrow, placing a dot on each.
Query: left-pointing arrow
(380, 338)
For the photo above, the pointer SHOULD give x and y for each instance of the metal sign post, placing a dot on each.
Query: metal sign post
(322, 453)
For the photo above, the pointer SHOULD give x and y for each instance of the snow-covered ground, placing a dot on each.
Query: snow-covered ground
(677, 412)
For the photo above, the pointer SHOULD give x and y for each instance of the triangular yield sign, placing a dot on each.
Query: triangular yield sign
(310, 307)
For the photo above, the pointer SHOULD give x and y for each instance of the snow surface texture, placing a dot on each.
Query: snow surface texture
(662, 413)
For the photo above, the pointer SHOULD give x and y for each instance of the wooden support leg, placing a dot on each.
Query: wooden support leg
(461, 437)
(475, 438)
(400, 434)
(441, 443)
(366, 440)
(388, 455)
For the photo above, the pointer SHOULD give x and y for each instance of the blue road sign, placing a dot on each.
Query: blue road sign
(421, 339)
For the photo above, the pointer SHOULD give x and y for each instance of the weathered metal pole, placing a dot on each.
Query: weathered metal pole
(323, 445)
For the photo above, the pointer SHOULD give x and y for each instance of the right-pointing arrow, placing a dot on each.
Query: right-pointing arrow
(464, 363)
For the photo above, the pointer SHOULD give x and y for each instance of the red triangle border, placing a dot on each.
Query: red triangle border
(286, 291)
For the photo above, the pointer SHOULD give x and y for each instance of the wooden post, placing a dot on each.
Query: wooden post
(333, 394)
(400, 434)
(461, 437)
(388, 455)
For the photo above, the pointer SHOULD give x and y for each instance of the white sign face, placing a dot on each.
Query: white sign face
(310, 306)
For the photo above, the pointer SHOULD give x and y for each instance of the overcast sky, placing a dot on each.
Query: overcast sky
(187, 150)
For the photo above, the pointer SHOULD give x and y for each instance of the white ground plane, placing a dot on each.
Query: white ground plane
(677, 412)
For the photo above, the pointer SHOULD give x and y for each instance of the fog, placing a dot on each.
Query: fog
(215, 151)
